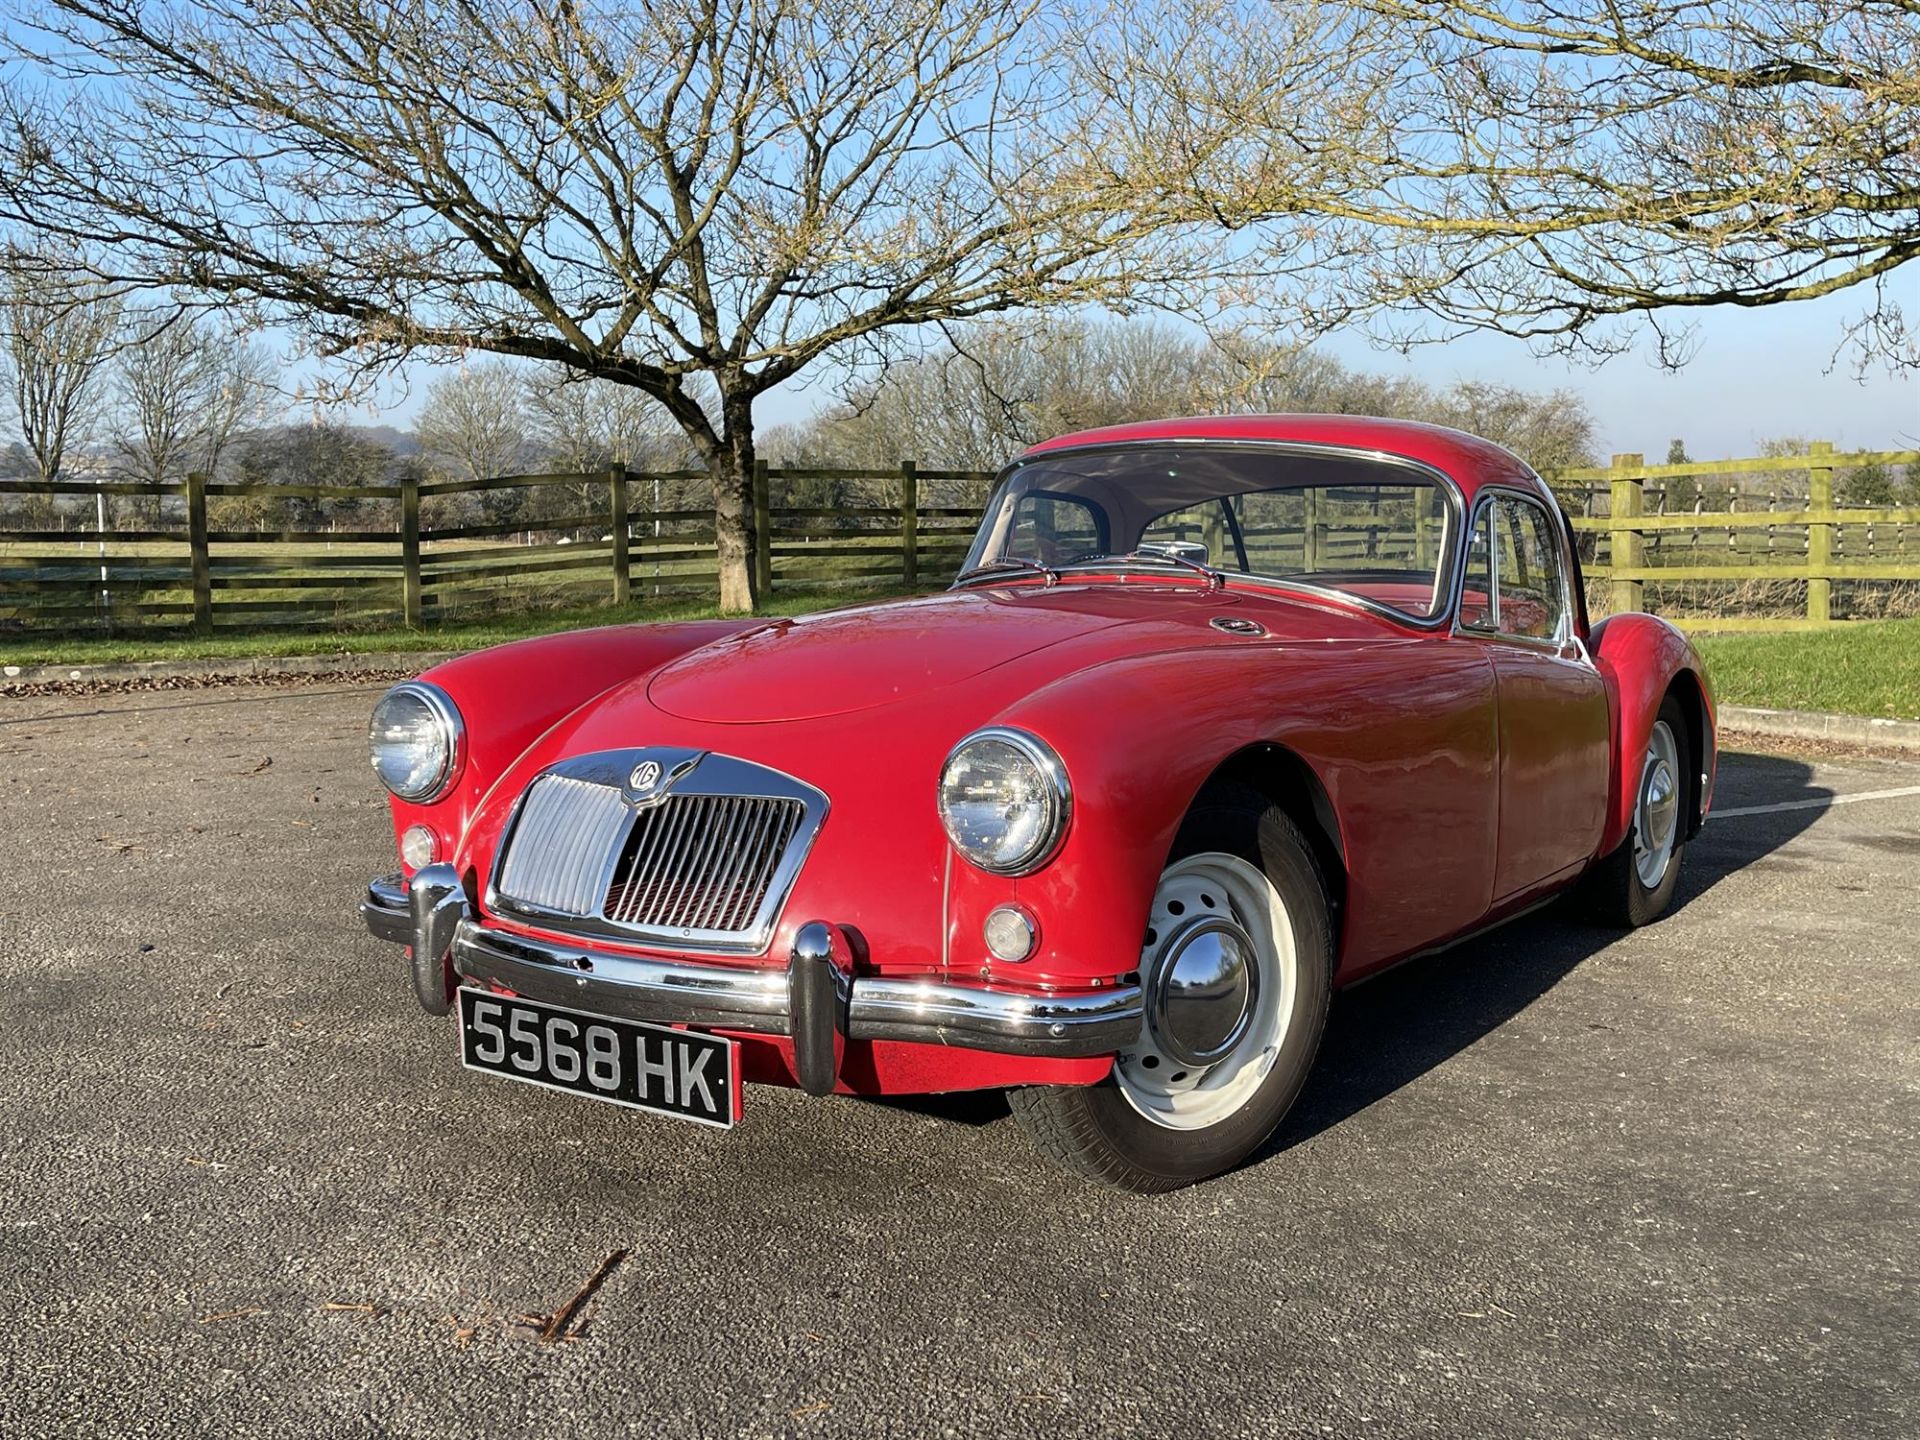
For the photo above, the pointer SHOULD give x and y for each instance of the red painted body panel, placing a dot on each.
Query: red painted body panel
(511, 693)
(1556, 743)
(1399, 729)
(1429, 748)
(879, 863)
(874, 655)
(1639, 656)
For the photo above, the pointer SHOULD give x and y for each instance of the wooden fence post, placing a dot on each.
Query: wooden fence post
(1628, 550)
(1423, 558)
(617, 506)
(762, 532)
(410, 587)
(910, 522)
(1819, 537)
(197, 552)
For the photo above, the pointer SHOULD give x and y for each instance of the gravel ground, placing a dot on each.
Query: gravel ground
(1557, 1182)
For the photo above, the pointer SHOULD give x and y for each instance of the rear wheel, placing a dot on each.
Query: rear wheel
(1236, 968)
(1635, 885)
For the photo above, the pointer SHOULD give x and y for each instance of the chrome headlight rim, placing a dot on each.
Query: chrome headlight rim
(453, 737)
(1059, 790)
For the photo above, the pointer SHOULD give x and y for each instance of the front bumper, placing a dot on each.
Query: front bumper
(816, 1000)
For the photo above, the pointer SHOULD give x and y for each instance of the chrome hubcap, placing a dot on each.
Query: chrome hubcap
(1218, 969)
(1198, 1007)
(1656, 815)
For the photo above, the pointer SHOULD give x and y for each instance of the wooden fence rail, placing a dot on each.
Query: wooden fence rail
(1825, 542)
(390, 555)
(212, 556)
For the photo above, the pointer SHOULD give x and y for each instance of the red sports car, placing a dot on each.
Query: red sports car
(1220, 715)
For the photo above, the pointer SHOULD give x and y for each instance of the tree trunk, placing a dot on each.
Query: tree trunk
(730, 468)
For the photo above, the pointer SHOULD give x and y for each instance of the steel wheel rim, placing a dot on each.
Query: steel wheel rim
(1184, 1097)
(1656, 811)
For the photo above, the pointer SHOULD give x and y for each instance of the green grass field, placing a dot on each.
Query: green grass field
(1868, 668)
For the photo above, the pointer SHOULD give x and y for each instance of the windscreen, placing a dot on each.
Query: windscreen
(1370, 527)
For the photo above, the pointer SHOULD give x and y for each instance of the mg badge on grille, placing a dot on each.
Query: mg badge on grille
(649, 780)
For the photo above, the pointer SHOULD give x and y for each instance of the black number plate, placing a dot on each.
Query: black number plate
(648, 1067)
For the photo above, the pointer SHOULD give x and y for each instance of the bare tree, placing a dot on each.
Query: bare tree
(161, 384)
(1550, 430)
(236, 399)
(1569, 170)
(687, 192)
(318, 452)
(57, 331)
(1001, 387)
(585, 426)
(998, 386)
(473, 423)
(183, 390)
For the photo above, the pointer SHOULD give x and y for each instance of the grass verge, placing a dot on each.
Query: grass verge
(1868, 667)
(464, 635)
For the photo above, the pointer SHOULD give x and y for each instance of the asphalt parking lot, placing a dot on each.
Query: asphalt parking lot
(1555, 1182)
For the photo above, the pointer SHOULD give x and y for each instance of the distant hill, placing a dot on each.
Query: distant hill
(401, 442)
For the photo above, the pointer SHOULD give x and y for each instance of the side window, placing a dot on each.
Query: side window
(1054, 530)
(1476, 594)
(1532, 586)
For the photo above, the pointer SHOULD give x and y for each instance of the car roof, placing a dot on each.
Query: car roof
(1468, 460)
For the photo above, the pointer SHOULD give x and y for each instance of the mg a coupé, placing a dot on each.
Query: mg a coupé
(1220, 715)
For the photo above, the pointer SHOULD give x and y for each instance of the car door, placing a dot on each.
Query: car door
(1554, 725)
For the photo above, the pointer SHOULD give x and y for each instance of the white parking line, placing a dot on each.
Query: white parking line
(1820, 804)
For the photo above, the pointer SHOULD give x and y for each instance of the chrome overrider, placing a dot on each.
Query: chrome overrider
(816, 999)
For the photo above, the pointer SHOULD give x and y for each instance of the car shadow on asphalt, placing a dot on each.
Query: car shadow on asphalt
(1390, 1030)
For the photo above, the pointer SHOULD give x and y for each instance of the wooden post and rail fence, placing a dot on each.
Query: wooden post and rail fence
(1755, 537)
(214, 556)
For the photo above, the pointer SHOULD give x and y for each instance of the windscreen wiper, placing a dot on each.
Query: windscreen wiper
(1215, 580)
(1008, 562)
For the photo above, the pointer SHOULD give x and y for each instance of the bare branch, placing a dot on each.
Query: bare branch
(697, 199)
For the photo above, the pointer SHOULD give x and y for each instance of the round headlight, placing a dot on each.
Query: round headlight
(415, 741)
(1005, 801)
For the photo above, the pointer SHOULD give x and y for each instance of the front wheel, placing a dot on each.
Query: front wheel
(1634, 885)
(1236, 969)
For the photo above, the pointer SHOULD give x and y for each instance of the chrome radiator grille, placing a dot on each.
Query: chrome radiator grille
(566, 831)
(703, 858)
(701, 862)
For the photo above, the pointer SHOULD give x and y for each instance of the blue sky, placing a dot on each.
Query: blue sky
(1754, 375)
